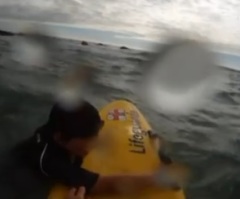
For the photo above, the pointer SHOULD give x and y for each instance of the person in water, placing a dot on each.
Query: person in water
(57, 150)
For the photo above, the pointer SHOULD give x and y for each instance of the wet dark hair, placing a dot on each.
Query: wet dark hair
(81, 122)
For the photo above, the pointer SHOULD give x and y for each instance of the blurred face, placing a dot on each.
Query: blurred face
(81, 147)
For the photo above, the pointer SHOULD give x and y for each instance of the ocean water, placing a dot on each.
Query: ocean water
(208, 140)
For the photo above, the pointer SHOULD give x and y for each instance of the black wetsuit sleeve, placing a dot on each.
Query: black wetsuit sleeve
(61, 169)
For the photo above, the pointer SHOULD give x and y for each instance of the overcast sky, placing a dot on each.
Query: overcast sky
(218, 20)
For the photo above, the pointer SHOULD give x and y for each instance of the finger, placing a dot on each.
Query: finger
(180, 172)
(72, 192)
(81, 192)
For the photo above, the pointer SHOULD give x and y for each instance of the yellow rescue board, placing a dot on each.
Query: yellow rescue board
(126, 148)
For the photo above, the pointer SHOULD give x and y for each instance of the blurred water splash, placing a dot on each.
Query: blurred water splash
(73, 87)
(29, 53)
(33, 48)
(182, 76)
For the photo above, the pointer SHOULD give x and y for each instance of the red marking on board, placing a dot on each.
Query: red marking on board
(117, 114)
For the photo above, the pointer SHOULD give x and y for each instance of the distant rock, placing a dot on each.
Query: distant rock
(20, 34)
(6, 33)
(100, 44)
(84, 43)
(138, 60)
(117, 67)
(124, 48)
(145, 54)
